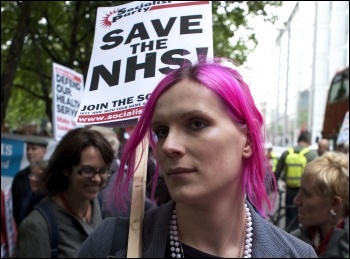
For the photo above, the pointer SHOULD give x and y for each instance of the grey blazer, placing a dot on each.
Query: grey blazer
(338, 244)
(33, 237)
(268, 240)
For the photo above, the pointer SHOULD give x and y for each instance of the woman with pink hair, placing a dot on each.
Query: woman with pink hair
(206, 135)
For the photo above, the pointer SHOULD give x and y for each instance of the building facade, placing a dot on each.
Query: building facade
(311, 47)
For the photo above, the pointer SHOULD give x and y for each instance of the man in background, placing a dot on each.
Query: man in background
(323, 146)
(304, 141)
(21, 191)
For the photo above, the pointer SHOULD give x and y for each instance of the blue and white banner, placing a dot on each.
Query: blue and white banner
(13, 155)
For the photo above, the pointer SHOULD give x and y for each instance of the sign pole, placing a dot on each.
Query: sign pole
(138, 202)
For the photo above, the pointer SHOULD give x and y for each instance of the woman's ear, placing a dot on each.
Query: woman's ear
(337, 203)
(247, 150)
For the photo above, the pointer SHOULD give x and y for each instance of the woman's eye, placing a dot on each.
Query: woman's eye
(306, 194)
(197, 124)
(88, 170)
(161, 132)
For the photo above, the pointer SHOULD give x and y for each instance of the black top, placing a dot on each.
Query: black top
(189, 252)
(21, 194)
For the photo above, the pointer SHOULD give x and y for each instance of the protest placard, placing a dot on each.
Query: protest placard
(135, 45)
(67, 89)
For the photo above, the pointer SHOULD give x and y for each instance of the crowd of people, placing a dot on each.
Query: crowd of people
(210, 182)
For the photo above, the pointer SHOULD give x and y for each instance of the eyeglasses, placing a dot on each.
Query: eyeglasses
(90, 172)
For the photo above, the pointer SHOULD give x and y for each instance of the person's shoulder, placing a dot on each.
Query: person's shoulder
(312, 154)
(101, 241)
(107, 227)
(297, 233)
(284, 155)
(297, 148)
(272, 241)
(155, 212)
(300, 233)
(157, 219)
(22, 173)
(294, 247)
(109, 223)
(105, 231)
(33, 222)
(149, 204)
(44, 199)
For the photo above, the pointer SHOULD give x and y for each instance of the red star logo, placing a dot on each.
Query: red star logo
(105, 22)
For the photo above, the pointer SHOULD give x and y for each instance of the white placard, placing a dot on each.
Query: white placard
(67, 89)
(135, 45)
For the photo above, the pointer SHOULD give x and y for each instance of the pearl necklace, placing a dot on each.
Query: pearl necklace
(176, 245)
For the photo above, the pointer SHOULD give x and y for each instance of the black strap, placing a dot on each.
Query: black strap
(50, 218)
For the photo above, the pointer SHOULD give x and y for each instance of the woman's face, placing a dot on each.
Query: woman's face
(87, 187)
(35, 179)
(200, 148)
(313, 209)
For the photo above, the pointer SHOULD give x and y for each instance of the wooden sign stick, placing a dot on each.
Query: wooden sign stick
(138, 202)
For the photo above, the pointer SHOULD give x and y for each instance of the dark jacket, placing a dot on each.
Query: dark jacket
(268, 240)
(21, 194)
(338, 244)
(33, 236)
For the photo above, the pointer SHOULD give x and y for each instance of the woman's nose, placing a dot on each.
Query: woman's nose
(172, 145)
(97, 178)
(296, 200)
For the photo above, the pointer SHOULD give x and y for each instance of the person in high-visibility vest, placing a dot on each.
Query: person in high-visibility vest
(304, 141)
(273, 159)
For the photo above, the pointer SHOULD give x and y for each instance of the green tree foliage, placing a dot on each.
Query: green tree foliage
(34, 34)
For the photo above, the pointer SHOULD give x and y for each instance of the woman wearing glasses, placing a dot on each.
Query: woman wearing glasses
(78, 169)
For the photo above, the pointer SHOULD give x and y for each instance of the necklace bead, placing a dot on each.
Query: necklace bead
(176, 245)
(175, 242)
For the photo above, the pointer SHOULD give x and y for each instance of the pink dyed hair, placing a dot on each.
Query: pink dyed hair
(228, 85)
